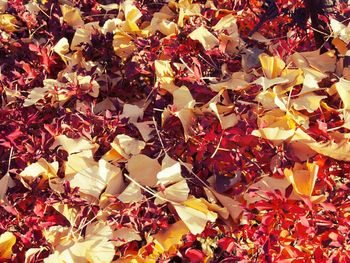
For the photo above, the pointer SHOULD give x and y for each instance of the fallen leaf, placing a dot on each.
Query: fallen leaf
(125, 235)
(131, 194)
(143, 169)
(171, 236)
(272, 66)
(7, 240)
(71, 15)
(207, 39)
(8, 23)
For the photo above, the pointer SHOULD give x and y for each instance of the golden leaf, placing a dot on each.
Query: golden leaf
(8, 23)
(71, 15)
(171, 236)
(207, 39)
(272, 66)
(7, 240)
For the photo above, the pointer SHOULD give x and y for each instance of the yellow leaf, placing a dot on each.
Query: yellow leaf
(177, 192)
(8, 23)
(343, 89)
(133, 112)
(123, 45)
(207, 39)
(303, 179)
(125, 235)
(169, 174)
(7, 240)
(171, 236)
(228, 22)
(132, 15)
(195, 214)
(183, 98)
(272, 66)
(165, 75)
(143, 169)
(73, 145)
(40, 168)
(127, 146)
(277, 135)
(71, 15)
(132, 193)
(309, 102)
(62, 48)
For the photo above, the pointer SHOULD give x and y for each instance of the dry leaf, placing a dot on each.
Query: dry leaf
(343, 89)
(8, 23)
(73, 145)
(131, 194)
(303, 179)
(71, 15)
(133, 112)
(195, 214)
(272, 66)
(123, 45)
(7, 240)
(124, 235)
(277, 135)
(143, 169)
(40, 168)
(309, 102)
(34, 96)
(171, 236)
(207, 39)
(177, 193)
(169, 174)
(62, 48)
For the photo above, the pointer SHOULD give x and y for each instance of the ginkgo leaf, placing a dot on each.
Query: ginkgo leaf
(143, 169)
(302, 179)
(8, 23)
(309, 102)
(165, 75)
(5, 182)
(132, 193)
(82, 35)
(73, 145)
(170, 174)
(226, 121)
(40, 168)
(267, 83)
(145, 128)
(34, 96)
(207, 39)
(171, 236)
(133, 112)
(132, 14)
(71, 15)
(265, 184)
(7, 240)
(234, 207)
(310, 84)
(69, 213)
(339, 150)
(127, 146)
(183, 98)
(125, 235)
(123, 45)
(62, 48)
(228, 22)
(272, 66)
(195, 214)
(177, 192)
(343, 89)
(236, 82)
(277, 135)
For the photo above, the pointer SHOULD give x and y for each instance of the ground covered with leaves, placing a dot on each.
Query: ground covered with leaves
(173, 131)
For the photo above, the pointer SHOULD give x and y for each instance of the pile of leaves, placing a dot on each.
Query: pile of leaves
(173, 131)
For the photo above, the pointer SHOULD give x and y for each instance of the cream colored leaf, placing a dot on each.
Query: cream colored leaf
(339, 149)
(5, 182)
(340, 30)
(195, 214)
(277, 135)
(68, 212)
(145, 129)
(62, 48)
(122, 45)
(73, 145)
(207, 39)
(309, 102)
(132, 15)
(71, 15)
(177, 192)
(40, 168)
(266, 183)
(143, 169)
(343, 89)
(171, 236)
(103, 106)
(131, 194)
(30, 255)
(267, 83)
(126, 145)
(234, 207)
(133, 112)
(7, 240)
(169, 175)
(183, 98)
(228, 22)
(125, 235)
(187, 118)
(82, 35)
(34, 96)
(272, 66)
(310, 84)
